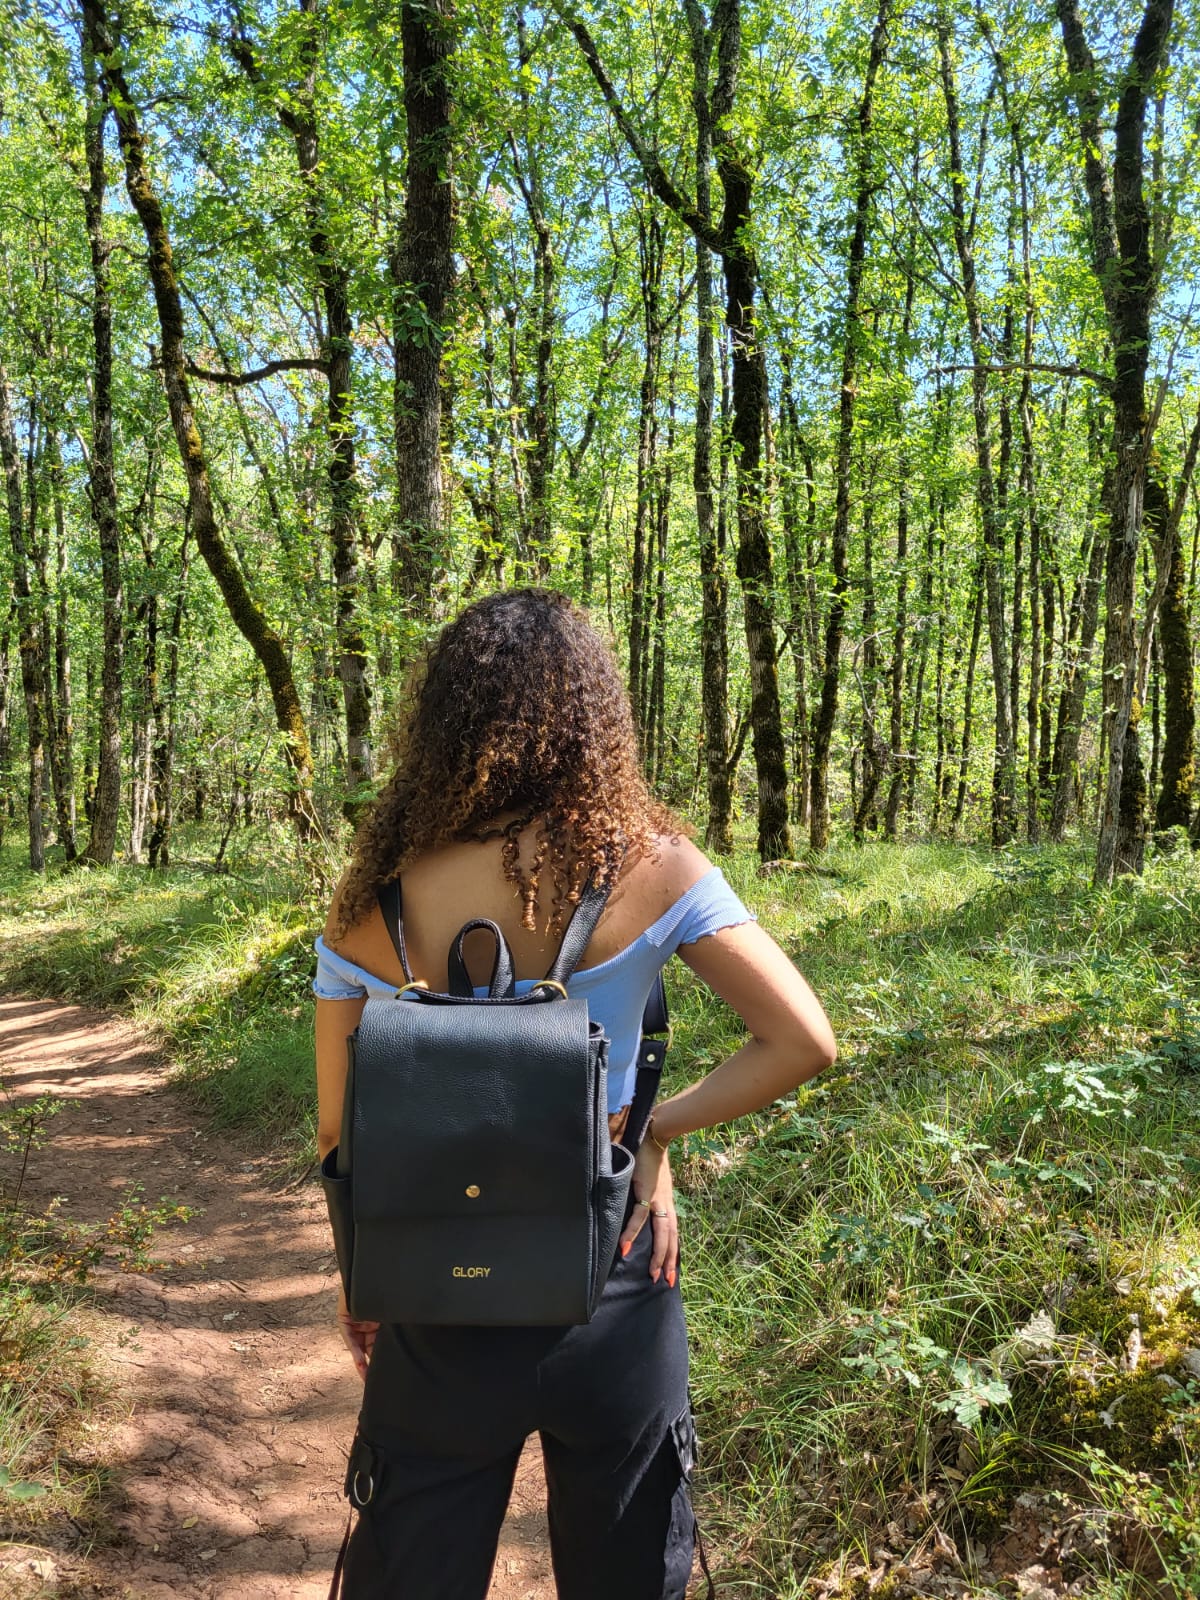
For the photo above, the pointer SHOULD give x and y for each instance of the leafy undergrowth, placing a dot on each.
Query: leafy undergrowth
(945, 1302)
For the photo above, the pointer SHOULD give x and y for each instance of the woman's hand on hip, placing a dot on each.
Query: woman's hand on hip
(654, 1194)
(358, 1337)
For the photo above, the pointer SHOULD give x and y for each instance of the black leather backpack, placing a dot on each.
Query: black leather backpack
(475, 1180)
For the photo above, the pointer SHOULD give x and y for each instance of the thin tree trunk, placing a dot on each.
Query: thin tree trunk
(731, 241)
(246, 614)
(28, 630)
(898, 675)
(964, 758)
(990, 511)
(1174, 807)
(865, 185)
(297, 112)
(102, 483)
(651, 238)
(873, 751)
(64, 715)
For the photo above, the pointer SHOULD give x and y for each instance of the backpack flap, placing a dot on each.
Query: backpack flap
(480, 1137)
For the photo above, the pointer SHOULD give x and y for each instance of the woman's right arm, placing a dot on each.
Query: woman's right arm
(336, 1021)
(791, 1038)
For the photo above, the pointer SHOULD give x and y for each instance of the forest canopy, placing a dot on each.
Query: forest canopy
(841, 359)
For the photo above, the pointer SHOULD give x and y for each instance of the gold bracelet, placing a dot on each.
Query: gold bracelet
(657, 1142)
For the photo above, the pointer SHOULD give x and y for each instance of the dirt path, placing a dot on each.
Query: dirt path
(241, 1400)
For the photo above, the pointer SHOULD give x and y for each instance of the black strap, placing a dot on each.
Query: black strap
(579, 931)
(652, 1055)
(570, 952)
(393, 920)
(500, 984)
(335, 1586)
(712, 1593)
(655, 1018)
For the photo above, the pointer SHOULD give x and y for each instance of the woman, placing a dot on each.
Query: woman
(517, 777)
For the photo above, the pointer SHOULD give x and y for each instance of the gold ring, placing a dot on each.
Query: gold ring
(551, 983)
(646, 1203)
(417, 983)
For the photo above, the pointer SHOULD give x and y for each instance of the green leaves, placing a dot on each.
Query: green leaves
(18, 1489)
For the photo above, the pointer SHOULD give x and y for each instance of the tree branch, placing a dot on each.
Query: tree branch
(240, 379)
(1068, 371)
(656, 174)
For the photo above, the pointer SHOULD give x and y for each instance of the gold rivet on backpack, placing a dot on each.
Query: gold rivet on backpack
(473, 1191)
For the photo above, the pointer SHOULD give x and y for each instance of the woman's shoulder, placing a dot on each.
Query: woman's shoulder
(665, 871)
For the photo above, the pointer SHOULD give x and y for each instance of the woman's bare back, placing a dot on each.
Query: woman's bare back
(448, 887)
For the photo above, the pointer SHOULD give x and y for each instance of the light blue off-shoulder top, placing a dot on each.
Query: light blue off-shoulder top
(616, 991)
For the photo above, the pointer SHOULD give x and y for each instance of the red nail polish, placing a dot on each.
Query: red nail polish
(671, 1279)
(655, 1275)
(626, 1246)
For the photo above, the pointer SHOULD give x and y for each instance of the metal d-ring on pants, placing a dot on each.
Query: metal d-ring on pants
(446, 1412)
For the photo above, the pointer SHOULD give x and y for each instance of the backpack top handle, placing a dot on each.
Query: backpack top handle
(500, 984)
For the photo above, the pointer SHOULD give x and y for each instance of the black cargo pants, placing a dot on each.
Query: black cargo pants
(446, 1412)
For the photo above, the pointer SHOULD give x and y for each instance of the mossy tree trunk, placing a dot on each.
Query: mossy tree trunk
(1126, 271)
(102, 483)
(714, 642)
(421, 263)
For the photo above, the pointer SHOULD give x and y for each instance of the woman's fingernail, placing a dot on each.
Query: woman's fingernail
(671, 1279)
(655, 1275)
(626, 1246)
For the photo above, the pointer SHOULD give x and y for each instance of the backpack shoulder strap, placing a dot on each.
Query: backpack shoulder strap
(579, 930)
(392, 910)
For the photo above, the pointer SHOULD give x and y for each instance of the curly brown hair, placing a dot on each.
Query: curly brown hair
(517, 706)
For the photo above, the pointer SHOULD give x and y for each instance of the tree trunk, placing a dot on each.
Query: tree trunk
(165, 723)
(964, 758)
(1178, 773)
(28, 630)
(714, 644)
(102, 483)
(990, 511)
(865, 184)
(1085, 618)
(1123, 261)
(731, 241)
(874, 752)
(651, 263)
(246, 614)
(297, 113)
(422, 269)
(64, 715)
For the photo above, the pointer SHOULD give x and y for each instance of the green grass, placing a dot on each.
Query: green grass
(1010, 1133)
(1011, 1129)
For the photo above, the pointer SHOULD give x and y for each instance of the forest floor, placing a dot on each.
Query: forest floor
(233, 1401)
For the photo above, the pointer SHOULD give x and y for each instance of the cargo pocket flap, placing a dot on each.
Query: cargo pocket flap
(683, 1431)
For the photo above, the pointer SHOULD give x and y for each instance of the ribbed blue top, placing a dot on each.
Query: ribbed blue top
(616, 991)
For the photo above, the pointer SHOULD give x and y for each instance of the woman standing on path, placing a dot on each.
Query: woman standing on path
(518, 777)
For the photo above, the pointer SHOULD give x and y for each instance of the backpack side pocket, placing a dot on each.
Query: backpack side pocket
(339, 1200)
